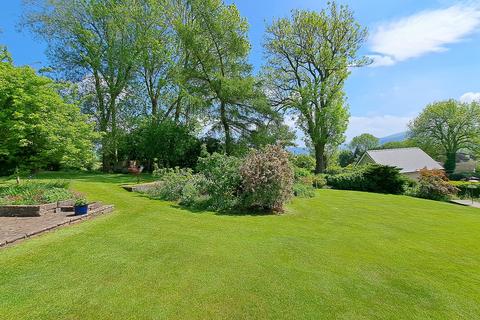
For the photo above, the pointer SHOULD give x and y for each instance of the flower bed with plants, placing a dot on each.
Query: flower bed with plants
(262, 181)
(33, 198)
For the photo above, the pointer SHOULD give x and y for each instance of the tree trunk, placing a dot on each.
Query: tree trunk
(319, 157)
(450, 162)
(226, 128)
(154, 102)
(113, 110)
(103, 125)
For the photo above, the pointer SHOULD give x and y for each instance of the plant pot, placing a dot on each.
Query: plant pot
(80, 210)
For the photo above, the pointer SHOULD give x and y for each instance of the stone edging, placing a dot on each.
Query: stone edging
(74, 219)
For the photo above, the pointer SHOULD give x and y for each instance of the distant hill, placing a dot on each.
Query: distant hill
(394, 137)
(298, 150)
(401, 136)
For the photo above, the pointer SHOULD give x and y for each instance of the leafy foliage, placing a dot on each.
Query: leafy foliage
(38, 129)
(309, 58)
(467, 189)
(223, 179)
(362, 143)
(434, 184)
(171, 183)
(267, 179)
(449, 126)
(345, 158)
(165, 144)
(33, 192)
(319, 181)
(304, 161)
(303, 190)
(371, 178)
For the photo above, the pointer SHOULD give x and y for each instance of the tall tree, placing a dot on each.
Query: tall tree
(95, 40)
(309, 59)
(160, 54)
(216, 41)
(38, 129)
(362, 143)
(450, 126)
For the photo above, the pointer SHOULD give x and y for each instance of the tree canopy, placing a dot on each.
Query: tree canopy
(310, 56)
(362, 143)
(449, 126)
(38, 129)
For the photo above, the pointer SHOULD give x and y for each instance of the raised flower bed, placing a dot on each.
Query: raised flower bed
(33, 198)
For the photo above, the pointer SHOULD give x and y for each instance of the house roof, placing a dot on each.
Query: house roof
(406, 159)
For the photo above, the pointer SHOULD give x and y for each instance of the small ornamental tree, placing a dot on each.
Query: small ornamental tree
(267, 179)
(434, 184)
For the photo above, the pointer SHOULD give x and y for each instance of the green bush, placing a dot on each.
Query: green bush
(267, 179)
(223, 180)
(467, 189)
(171, 183)
(195, 192)
(302, 175)
(335, 169)
(319, 181)
(371, 178)
(304, 161)
(303, 191)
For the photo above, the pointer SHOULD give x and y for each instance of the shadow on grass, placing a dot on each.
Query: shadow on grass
(115, 178)
(232, 213)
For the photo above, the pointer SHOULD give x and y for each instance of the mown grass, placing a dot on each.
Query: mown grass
(339, 255)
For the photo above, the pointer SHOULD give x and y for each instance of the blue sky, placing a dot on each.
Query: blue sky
(424, 51)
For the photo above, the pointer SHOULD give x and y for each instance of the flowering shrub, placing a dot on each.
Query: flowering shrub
(263, 180)
(267, 179)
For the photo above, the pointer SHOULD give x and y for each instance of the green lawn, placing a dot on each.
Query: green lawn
(340, 255)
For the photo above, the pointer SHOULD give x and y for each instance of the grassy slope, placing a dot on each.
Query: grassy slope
(343, 255)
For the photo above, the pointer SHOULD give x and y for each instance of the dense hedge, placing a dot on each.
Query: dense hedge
(371, 178)
(466, 190)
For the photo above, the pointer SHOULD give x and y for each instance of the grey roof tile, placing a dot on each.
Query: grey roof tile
(407, 159)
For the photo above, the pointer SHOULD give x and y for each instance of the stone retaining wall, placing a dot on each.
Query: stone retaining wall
(33, 210)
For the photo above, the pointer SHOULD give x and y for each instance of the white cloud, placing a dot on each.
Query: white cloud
(379, 126)
(422, 33)
(381, 61)
(470, 97)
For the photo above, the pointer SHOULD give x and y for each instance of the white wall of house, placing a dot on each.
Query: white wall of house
(412, 175)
